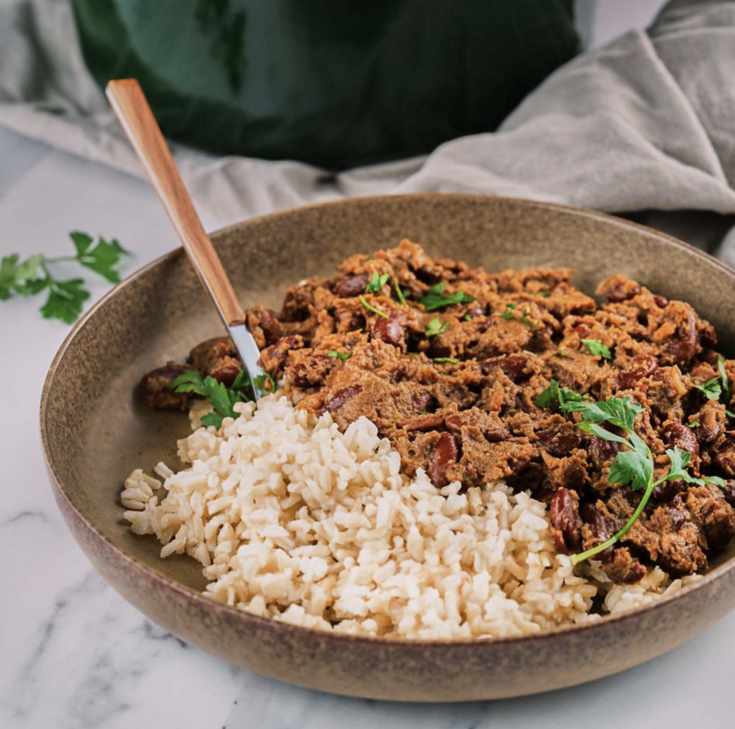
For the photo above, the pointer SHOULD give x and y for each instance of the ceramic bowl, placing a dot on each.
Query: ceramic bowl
(95, 431)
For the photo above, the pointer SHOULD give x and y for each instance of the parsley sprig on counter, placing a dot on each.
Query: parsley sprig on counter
(634, 465)
(66, 297)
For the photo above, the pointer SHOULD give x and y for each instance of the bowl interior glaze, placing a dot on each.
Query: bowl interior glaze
(95, 431)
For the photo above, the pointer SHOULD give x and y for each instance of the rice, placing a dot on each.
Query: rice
(296, 521)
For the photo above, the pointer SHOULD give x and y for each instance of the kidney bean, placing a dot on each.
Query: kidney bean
(271, 327)
(444, 454)
(642, 365)
(564, 520)
(683, 343)
(342, 396)
(667, 490)
(710, 428)
(389, 330)
(622, 290)
(352, 286)
(602, 450)
(730, 495)
(559, 444)
(661, 301)
(514, 366)
(679, 435)
(598, 526)
(225, 372)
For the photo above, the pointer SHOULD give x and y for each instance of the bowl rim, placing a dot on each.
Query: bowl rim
(206, 603)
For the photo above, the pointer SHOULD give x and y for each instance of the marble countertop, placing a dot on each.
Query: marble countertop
(75, 654)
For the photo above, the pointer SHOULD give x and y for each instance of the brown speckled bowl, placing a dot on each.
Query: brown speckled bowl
(95, 432)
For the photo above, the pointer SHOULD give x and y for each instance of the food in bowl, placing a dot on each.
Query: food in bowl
(450, 453)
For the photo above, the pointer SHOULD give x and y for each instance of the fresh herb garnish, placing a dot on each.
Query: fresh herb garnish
(729, 414)
(65, 298)
(376, 283)
(221, 397)
(710, 389)
(467, 317)
(340, 355)
(260, 381)
(435, 327)
(448, 360)
(563, 355)
(399, 293)
(525, 320)
(723, 377)
(554, 395)
(695, 424)
(435, 298)
(633, 466)
(545, 294)
(509, 311)
(716, 387)
(372, 308)
(597, 348)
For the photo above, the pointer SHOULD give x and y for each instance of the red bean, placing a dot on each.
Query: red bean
(559, 444)
(602, 450)
(444, 455)
(352, 286)
(389, 330)
(641, 366)
(271, 327)
(679, 435)
(683, 343)
(514, 366)
(564, 520)
(342, 396)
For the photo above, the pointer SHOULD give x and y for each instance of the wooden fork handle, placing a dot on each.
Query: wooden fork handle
(136, 117)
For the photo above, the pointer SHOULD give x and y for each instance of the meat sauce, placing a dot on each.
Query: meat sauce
(454, 388)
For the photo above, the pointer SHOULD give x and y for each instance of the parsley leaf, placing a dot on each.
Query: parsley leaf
(189, 381)
(399, 293)
(545, 294)
(525, 320)
(723, 377)
(710, 389)
(695, 424)
(66, 298)
(634, 466)
(554, 395)
(376, 283)
(260, 381)
(435, 327)
(220, 397)
(563, 355)
(435, 298)
(102, 258)
(369, 307)
(339, 355)
(508, 313)
(597, 348)
(467, 317)
(448, 360)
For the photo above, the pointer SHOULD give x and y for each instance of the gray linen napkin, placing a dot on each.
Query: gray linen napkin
(647, 122)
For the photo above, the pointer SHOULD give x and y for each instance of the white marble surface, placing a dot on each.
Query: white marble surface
(74, 654)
